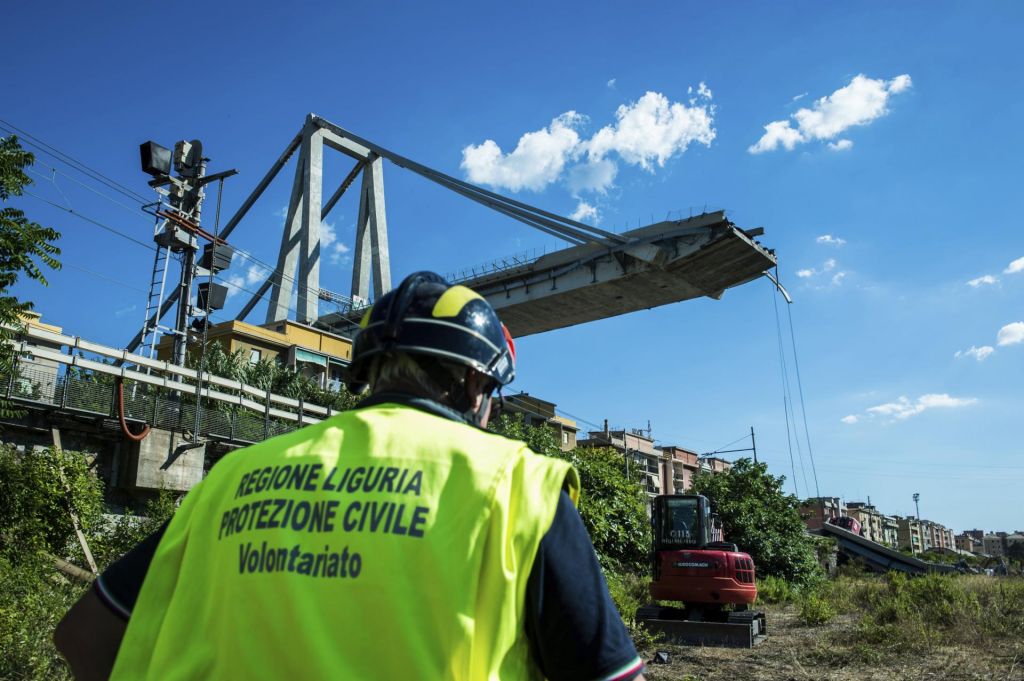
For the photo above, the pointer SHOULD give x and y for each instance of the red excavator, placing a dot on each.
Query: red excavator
(712, 578)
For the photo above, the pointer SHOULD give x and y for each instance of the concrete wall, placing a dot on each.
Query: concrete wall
(161, 462)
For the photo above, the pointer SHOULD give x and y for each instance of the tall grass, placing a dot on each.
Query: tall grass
(895, 613)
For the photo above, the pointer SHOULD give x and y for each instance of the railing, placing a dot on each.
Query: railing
(495, 266)
(155, 392)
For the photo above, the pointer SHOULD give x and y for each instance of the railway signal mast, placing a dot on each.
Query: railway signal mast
(178, 212)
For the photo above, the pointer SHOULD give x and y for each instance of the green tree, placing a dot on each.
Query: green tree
(613, 507)
(762, 520)
(26, 247)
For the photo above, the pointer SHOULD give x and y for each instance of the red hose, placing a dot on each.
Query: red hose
(120, 413)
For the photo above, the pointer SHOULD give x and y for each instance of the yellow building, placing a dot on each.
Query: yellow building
(313, 352)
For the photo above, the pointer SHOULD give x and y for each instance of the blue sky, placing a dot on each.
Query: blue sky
(904, 123)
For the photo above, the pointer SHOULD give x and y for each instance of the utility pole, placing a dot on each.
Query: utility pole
(753, 443)
(191, 165)
(917, 506)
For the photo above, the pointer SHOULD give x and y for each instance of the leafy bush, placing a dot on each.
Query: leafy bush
(32, 601)
(762, 520)
(613, 507)
(629, 591)
(815, 609)
(35, 506)
(774, 590)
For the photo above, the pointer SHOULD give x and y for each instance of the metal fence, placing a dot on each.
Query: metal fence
(71, 389)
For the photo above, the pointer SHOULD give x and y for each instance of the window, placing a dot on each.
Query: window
(254, 355)
(565, 438)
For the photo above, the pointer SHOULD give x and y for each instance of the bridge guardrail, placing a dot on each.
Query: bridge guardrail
(155, 392)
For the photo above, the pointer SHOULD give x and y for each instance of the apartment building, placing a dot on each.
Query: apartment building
(994, 544)
(314, 353)
(538, 412)
(874, 524)
(910, 534)
(968, 542)
(816, 511)
(679, 465)
(665, 470)
(643, 459)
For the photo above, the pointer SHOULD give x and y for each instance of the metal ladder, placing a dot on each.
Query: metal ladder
(151, 332)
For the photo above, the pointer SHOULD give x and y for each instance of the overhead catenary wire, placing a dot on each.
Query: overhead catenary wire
(70, 161)
(113, 230)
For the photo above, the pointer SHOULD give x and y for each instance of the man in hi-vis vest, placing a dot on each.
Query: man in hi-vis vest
(396, 540)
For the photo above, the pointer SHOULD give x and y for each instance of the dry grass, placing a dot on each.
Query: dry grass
(966, 629)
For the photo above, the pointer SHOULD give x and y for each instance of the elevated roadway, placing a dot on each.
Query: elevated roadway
(662, 263)
(879, 558)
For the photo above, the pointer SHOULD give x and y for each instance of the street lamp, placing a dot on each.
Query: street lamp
(917, 497)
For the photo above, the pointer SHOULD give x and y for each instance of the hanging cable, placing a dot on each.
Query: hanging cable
(785, 403)
(120, 415)
(800, 388)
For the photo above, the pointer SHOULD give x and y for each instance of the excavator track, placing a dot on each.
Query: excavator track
(736, 629)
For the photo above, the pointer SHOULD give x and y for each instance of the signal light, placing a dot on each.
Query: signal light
(156, 160)
(216, 293)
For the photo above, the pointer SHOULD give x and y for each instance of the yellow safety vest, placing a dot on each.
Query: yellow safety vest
(382, 543)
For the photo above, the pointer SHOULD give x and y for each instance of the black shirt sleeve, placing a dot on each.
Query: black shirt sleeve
(575, 631)
(119, 585)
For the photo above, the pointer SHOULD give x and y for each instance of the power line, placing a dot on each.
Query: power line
(71, 161)
(99, 224)
(102, 276)
(133, 209)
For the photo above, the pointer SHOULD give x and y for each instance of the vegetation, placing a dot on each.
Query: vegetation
(612, 506)
(271, 374)
(26, 248)
(762, 520)
(38, 491)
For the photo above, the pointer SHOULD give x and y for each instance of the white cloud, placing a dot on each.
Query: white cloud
(1015, 266)
(841, 145)
(830, 240)
(777, 133)
(850, 419)
(799, 97)
(652, 129)
(125, 310)
(611, 83)
(859, 103)
(538, 159)
(281, 212)
(339, 253)
(255, 273)
(982, 280)
(646, 133)
(899, 84)
(1011, 334)
(903, 408)
(584, 212)
(235, 283)
(595, 176)
(977, 353)
(829, 265)
(327, 234)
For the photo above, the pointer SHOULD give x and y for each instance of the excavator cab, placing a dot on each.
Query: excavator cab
(683, 521)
